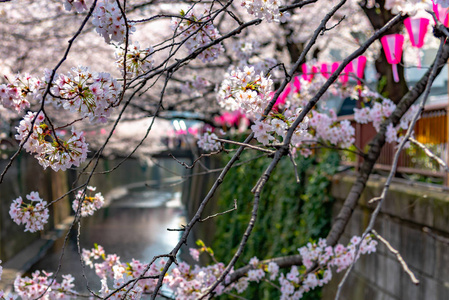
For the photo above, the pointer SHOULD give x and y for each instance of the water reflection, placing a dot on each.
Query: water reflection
(133, 226)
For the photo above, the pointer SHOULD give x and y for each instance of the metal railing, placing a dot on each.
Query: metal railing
(431, 130)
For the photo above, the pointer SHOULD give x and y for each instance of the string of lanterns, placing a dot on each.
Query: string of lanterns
(393, 47)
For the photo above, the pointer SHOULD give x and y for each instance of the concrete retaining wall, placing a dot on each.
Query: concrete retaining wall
(407, 210)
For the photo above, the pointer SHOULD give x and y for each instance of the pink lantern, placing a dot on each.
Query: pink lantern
(359, 65)
(334, 67)
(296, 84)
(392, 45)
(219, 120)
(193, 131)
(308, 74)
(442, 14)
(281, 99)
(417, 29)
(325, 70)
(344, 77)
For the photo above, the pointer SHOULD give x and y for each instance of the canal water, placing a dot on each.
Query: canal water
(133, 225)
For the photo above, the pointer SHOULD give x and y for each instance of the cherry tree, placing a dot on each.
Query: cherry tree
(249, 62)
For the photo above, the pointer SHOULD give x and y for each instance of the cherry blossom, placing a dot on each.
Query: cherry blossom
(90, 94)
(43, 284)
(195, 254)
(245, 90)
(58, 154)
(33, 215)
(79, 5)
(20, 91)
(190, 282)
(267, 10)
(196, 87)
(208, 141)
(109, 23)
(138, 61)
(197, 30)
(381, 111)
(89, 203)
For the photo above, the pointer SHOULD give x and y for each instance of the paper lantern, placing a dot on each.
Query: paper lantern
(417, 29)
(442, 14)
(359, 65)
(283, 95)
(325, 70)
(392, 45)
(296, 84)
(334, 67)
(344, 76)
(308, 74)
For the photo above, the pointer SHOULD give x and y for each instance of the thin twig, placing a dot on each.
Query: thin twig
(398, 257)
(245, 145)
(430, 154)
(195, 161)
(222, 213)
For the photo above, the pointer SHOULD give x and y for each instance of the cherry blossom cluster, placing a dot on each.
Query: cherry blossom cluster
(88, 93)
(208, 141)
(267, 10)
(138, 61)
(79, 5)
(33, 215)
(328, 129)
(267, 130)
(245, 90)
(20, 91)
(196, 87)
(10, 296)
(51, 151)
(109, 23)
(197, 30)
(381, 111)
(376, 114)
(44, 286)
(190, 282)
(244, 49)
(90, 204)
(294, 284)
(411, 7)
(109, 267)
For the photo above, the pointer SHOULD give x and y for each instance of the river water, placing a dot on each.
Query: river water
(133, 225)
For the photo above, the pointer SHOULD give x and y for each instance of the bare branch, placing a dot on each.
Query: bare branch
(222, 213)
(398, 257)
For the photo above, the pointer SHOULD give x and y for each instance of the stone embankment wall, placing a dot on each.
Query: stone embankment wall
(415, 220)
(194, 191)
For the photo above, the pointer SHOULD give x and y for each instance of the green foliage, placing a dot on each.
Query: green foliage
(382, 85)
(289, 215)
